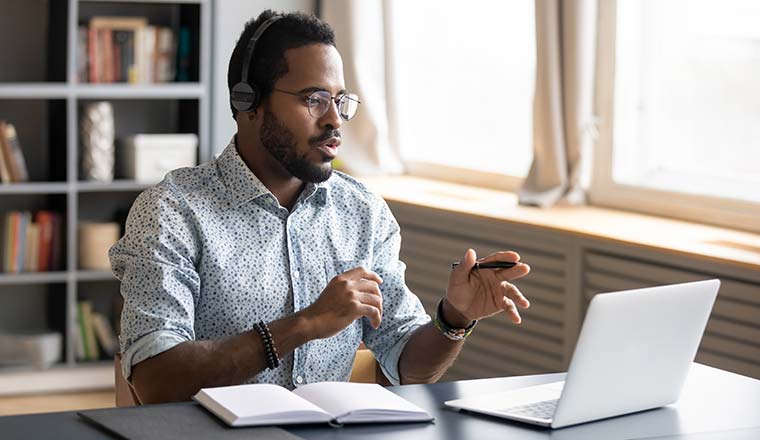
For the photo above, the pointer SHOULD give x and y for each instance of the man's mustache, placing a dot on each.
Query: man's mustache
(328, 134)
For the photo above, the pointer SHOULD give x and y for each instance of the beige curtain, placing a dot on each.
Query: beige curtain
(360, 30)
(563, 117)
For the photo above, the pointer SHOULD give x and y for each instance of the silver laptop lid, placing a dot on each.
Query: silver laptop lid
(634, 350)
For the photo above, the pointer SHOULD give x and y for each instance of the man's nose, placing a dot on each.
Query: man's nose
(331, 117)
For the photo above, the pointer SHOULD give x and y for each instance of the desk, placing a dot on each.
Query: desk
(712, 401)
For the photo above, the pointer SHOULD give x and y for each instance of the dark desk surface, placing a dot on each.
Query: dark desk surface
(715, 405)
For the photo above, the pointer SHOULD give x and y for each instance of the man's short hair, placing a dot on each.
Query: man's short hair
(268, 63)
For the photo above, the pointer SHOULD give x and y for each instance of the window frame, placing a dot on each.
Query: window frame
(605, 192)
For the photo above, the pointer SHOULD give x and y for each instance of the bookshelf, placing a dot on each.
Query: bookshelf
(43, 97)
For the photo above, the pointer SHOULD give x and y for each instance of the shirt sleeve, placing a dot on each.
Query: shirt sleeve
(155, 262)
(402, 310)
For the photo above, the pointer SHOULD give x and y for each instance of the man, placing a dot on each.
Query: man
(264, 265)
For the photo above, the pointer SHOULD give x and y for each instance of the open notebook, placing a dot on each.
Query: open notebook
(323, 402)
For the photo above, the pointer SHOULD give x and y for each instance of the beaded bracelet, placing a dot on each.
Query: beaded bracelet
(273, 360)
(451, 332)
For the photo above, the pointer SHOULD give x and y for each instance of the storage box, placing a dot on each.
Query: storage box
(148, 157)
(41, 350)
(95, 239)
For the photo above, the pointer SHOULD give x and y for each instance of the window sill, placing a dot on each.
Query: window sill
(710, 243)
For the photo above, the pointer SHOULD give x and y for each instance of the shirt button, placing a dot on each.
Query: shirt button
(299, 379)
(296, 274)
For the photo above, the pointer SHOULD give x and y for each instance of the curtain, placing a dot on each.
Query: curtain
(360, 35)
(563, 117)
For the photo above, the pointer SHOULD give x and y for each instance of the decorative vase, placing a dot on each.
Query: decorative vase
(98, 142)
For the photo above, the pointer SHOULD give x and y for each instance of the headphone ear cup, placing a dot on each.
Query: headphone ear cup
(244, 97)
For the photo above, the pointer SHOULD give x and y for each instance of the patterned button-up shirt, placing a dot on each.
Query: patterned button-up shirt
(209, 251)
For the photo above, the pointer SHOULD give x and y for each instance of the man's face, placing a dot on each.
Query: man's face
(305, 146)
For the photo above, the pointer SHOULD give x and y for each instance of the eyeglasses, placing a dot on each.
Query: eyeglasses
(319, 103)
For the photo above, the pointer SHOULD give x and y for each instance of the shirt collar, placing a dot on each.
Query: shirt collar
(243, 185)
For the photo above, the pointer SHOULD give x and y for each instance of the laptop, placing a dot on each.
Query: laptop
(633, 353)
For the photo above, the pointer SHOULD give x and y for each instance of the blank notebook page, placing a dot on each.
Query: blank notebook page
(339, 398)
(259, 399)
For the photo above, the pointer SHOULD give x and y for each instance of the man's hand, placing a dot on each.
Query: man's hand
(347, 297)
(480, 293)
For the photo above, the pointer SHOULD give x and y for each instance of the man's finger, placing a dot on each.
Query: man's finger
(371, 299)
(509, 307)
(462, 271)
(368, 286)
(372, 313)
(502, 256)
(358, 273)
(512, 292)
(513, 273)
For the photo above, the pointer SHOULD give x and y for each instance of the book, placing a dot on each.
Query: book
(15, 158)
(21, 225)
(93, 56)
(82, 49)
(5, 172)
(6, 153)
(183, 55)
(104, 333)
(121, 56)
(31, 254)
(44, 220)
(7, 240)
(56, 249)
(165, 54)
(323, 402)
(82, 348)
(147, 54)
(106, 41)
(91, 349)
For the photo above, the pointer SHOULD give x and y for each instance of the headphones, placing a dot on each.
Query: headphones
(244, 95)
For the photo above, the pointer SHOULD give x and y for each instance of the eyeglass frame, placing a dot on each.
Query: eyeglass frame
(334, 99)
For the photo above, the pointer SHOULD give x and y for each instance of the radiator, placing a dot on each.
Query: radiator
(732, 338)
(497, 347)
(567, 271)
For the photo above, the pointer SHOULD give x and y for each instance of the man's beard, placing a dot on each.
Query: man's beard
(281, 144)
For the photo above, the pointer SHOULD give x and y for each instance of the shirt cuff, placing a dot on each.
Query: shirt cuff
(148, 346)
(389, 360)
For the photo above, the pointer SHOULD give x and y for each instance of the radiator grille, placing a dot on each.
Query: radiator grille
(732, 338)
(430, 243)
(567, 273)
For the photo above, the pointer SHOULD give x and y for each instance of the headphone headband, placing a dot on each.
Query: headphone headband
(244, 96)
(252, 46)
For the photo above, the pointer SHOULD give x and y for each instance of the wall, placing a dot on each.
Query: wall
(229, 18)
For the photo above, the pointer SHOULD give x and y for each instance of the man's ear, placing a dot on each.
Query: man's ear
(242, 116)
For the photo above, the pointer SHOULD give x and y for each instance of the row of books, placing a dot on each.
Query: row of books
(95, 335)
(128, 49)
(12, 163)
(32, 242)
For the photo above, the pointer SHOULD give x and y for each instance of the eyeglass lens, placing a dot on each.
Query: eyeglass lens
(319, 103)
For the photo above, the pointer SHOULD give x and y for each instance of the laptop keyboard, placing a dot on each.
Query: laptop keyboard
(539, 410)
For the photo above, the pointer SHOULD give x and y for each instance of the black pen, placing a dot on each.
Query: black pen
(490, 265)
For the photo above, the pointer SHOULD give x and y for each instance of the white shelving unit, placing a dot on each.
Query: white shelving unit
(42, 97)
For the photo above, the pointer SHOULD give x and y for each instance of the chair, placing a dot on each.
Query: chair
(365, 370)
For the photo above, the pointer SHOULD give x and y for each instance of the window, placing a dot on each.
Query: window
(683, 121)
(463, 82)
